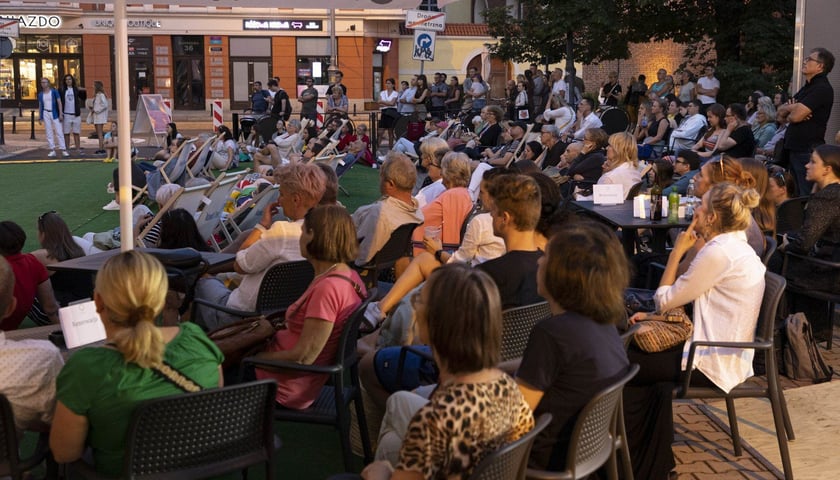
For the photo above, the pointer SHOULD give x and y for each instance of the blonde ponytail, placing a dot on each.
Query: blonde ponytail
(133, 287)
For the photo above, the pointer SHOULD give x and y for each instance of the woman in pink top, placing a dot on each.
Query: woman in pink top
(449, 210)
(315, 321)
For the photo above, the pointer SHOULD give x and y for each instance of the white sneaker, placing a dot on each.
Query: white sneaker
(110, 188)
(51, 154)
(381, 159)
(113, 205)
(64, 153)
(373, 315)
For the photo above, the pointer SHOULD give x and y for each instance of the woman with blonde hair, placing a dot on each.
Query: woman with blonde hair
(765, 213)
(100, 114)
(622, 162)
(725, 283)
(98, 388)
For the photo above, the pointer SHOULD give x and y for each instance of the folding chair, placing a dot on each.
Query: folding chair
(519, 148)
(198, 164)
(510, 461)
(209, 219)
(249, 214)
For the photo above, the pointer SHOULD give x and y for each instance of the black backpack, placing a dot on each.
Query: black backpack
(278, 98)
(803, 360)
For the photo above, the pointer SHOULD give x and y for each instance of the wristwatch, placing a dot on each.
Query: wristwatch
(438, 255)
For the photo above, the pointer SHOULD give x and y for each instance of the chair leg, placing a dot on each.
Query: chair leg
(612, 466)
(786, 415)
(362, 420)
(733, 426)
(343, 426)
(779, 420)
(831, 307)
(626, 461)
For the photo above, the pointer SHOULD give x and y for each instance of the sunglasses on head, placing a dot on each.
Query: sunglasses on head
(41, 217)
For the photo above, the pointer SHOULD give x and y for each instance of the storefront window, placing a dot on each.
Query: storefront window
(311, 61)
(71, 44)
(7, 78)
(28, 79)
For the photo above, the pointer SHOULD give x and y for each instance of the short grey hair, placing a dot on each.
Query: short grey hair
(552, 130)
(455, 169)
(399, 170)
(295, 123)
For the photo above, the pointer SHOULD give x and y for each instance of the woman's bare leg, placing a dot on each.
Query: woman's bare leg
(416, 273)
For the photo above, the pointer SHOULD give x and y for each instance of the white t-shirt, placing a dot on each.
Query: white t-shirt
(70, 100)
(384, 96)
(708, 84)
(429, 193)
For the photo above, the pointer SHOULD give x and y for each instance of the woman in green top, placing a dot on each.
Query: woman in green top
(98, 388)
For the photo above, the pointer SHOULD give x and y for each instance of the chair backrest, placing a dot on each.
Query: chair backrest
(774, 287)
(283, 284)
(346, 355)
(592, 438)
(210, 217)
(510, 461)
(520, 148)
(163, 209)
(198, 435)
(396, 246)
(790, 214)
(517, 324)
(634, 191)
(8, 437)
(254, 209)
(191, 198)
(200, 159)
(175, 171)
(770, 245)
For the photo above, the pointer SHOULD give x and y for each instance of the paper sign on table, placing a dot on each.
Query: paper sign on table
(81, 324)
(608, 194)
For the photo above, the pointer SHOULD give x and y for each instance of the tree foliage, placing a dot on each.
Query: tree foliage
(751, 41)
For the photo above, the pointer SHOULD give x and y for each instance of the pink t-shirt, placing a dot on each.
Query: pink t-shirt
(327, 298)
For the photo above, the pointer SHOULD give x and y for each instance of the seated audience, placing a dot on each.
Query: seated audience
(656, 133)
(707, 146)
(588, 166)
(172, 136)
(301, 187)
(315, 321)
(561, 113)
(223, 154)
(686, 166)
(280, 148)
(31, 278)
(178, 230)
(736, 140)
(432, 151)
(725, 282)
(685, 135)
(487, 136)
(98, 388)
(622, 165)
(512, 137)
(586, 119)
(780, 185)
(764, 127)
(28, 381)
(553, 148)
(376, 222)
(476, 408)
(576, 352)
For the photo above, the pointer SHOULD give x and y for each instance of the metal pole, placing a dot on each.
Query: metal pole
(422, 63)
(235, 120)
(32, 124)
(124, 123)
(2, 129)
(14, 123)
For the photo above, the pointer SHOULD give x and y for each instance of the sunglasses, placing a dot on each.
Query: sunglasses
(780, 176)
(41, 217)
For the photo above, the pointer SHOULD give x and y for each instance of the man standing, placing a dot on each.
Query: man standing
(339, 76)
(52, 116)
(259, 99)
(72, 100)
(808, 114)
(280, 107)
(538, 94)
(466, 104)
(309, 101)
(406, 99)
(439, 92)
(707, 88)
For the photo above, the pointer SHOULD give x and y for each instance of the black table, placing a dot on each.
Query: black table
(92, 263)
(43, 333)
(621, 216)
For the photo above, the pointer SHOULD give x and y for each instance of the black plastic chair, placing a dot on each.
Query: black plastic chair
(11, 465)
(790, 214)
(397, 246)
(281, 286)
(831, 298)
(517, 324)
(596, 437)
(332, 407)
(773, 290)
(198, 435)
(770, 245)
(634, 191)
(511, 460)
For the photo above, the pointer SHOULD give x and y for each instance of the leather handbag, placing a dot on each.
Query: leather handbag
(243, 338)
(672, 329)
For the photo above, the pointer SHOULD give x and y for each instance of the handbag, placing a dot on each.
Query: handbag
(659, 335)
(243, 338)
(89, 120)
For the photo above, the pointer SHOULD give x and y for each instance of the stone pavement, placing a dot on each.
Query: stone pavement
(703, 449)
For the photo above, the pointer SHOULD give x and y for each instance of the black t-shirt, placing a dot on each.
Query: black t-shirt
(609, 88)
(279, 108)
(744, 142)
(818, 95)
(569, 358)
(552, 158)
(515, 274)
(490, 136)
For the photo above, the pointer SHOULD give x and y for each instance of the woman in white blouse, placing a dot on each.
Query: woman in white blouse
(388, 109)
(622, 165)
(725, 282)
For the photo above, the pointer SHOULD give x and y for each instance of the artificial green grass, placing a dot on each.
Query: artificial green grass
(76, 190)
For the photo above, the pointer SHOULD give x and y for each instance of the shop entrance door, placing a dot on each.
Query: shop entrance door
(141, 81)
(189, 83)
(243, 74)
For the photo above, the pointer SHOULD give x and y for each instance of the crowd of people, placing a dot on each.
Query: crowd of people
(491, 231)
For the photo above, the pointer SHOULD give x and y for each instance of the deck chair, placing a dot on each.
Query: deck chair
(199, 162)
(156, 219)
(190, 199)
(444, 134)
(172, 171)
(209, 218)
(249, 214)
(519, 148)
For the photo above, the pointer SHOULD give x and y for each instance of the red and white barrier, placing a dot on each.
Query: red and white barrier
(218, 115)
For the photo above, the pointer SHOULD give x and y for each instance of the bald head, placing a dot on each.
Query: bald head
(572, 151)
(7, 288)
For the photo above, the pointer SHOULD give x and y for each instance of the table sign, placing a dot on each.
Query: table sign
(81, 324)
(641, 204)
(608, 194)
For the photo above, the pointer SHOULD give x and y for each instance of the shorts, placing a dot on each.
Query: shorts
(72, 124)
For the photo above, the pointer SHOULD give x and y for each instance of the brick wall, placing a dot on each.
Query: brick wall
(97, 62)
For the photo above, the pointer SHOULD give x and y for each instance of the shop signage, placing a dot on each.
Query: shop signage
(35, 21)
(139, 23)
(384, 45)
(266, 24)
(425, 20)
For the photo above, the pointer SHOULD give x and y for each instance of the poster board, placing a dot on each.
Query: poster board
(152, 115)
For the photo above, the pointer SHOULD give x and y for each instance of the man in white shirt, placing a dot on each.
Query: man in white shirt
(407, 97)
(587, 119)
(301, 188)
(30, 367)
(558, 86)
(707, 88)
(683, 138)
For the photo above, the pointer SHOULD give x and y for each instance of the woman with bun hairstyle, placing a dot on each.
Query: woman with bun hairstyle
(725, 283)
(99, 387)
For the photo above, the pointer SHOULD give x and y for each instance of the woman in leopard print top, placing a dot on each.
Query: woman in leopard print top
(476, 408)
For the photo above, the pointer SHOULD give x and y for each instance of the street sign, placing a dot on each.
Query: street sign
(9, 28)
(6, 47)
(425, 20)
(424, 45)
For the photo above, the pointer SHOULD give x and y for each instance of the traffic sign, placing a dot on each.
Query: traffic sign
(424, 45)
(9, 27)
(6, 47)
(425, 20)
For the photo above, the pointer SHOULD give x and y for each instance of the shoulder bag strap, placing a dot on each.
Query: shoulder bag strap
(356, 287)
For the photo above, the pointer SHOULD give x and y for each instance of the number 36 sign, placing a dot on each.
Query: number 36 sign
(424, 45)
